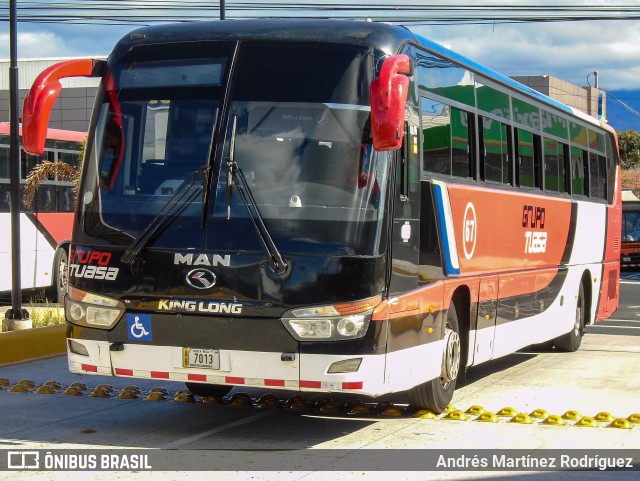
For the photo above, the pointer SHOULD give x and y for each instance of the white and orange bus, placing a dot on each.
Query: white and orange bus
(325, 206)
(45, 224)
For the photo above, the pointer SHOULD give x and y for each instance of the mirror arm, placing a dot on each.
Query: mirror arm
(43, 94)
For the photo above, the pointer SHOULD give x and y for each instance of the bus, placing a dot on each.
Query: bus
(630, 250)
(328, 206)
(46, 222)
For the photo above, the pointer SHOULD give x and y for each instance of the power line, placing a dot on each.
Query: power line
(411, 13)
(627, 107)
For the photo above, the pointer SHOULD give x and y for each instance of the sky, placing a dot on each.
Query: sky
(570, 50)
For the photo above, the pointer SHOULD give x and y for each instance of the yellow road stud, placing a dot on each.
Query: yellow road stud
(100, 392)
(20, 388)
(587, 422)
(44, 389)
(215, 400)
(330, 408)
(487, 417)
(393, 412)
(621, 423)
(456, 416)
(634, 418)
(572, 415)
(79, 385)
(106, 387)
(475, 410)
(269, 403)
(507, 412)
(424, 414)
(300, 406)
(521, 419)
(73, 391)
(604, 417)
(128, 394)
(156, 396)
(360, 410)
(185, 397)
(539, 414)
(160, 390)
(555, 420)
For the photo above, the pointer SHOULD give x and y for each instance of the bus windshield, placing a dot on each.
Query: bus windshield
(300, 136)
(631, 226)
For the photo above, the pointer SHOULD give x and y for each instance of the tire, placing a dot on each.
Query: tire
(437, 393)
(208, 389)
(570, 342)
(61, 274)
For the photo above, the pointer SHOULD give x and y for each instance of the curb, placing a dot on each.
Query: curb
(32, 343)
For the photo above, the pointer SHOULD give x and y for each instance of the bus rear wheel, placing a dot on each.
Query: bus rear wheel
(437, 393)
(205, 390)
(570, 342)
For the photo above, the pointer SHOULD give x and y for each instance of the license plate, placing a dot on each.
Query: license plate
(626, 259)
(201, 358)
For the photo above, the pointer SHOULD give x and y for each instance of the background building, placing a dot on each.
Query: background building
(72, 110)
(589, 100)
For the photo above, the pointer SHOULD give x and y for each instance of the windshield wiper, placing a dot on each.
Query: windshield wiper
(276, 261)
(184, 195)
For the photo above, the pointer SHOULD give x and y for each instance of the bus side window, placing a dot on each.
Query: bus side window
(578, 173)
(462, 159)
(567, 169)
(494, 150)
(525, 159)
(537, 162)
(436, 136)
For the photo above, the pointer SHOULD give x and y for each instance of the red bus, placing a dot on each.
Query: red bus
(328, 206)
(45, 224)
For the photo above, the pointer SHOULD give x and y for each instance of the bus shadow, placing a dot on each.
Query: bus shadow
(495, 366)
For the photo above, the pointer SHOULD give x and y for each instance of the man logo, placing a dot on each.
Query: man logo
(201, 279)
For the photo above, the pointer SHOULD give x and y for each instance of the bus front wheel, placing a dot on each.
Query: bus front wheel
(437, 393)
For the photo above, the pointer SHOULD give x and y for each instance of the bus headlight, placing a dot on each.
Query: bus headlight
(92, 310)
(331, 323)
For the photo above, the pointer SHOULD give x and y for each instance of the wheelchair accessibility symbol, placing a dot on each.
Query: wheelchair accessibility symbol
(139, 327)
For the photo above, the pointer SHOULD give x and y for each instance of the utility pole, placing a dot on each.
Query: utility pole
(16, 317)
(222, 16)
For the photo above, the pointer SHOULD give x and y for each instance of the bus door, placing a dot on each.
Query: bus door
(405, 243)
(482, 345)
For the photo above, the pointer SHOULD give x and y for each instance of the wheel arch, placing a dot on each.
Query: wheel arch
(587, 285)
(461, 299)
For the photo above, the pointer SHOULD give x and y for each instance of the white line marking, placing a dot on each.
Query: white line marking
(204, 434)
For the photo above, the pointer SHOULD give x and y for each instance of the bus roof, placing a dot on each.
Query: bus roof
(386, 37)
(52, 134)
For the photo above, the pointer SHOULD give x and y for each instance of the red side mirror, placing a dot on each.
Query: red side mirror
(388, 101)
(37, 105)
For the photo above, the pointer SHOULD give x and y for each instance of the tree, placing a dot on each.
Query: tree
(47, 170)
(629, 141)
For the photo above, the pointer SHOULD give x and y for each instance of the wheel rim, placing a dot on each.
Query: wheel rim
(63, 280)
(451, 358)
